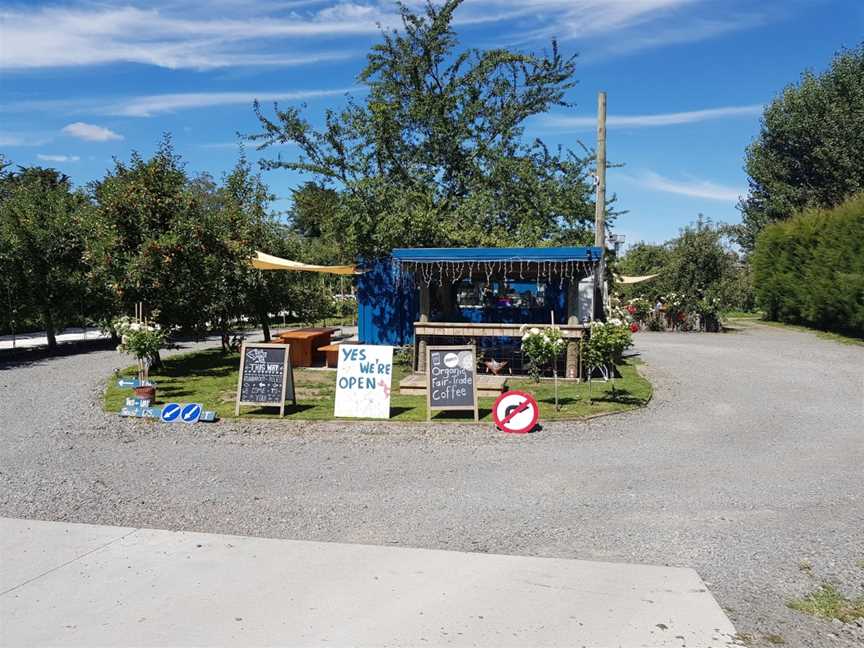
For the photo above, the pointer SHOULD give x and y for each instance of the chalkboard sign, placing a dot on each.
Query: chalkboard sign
(451, 379)
(266, 376)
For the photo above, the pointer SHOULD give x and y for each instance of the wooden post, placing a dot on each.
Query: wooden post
(600, 205)
(572, 358)
(424, 317)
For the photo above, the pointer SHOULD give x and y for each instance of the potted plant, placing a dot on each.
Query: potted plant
(142, 340)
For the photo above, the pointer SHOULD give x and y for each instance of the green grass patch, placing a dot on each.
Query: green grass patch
(751, 319)
(751, 315)
(210, 377)
(828, 603)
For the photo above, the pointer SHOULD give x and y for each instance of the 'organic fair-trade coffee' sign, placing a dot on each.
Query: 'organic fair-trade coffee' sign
(451, 379)
(363, 381)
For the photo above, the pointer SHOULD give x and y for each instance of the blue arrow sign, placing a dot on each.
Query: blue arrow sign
(170, 412)
(191, 413)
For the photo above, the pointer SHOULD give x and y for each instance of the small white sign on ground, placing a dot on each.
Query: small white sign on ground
(363, 381)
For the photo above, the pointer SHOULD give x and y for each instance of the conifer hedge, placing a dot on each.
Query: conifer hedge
(809, 269)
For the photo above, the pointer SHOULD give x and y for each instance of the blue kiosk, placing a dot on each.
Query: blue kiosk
(484, 296)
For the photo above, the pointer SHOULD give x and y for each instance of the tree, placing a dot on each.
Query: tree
(154, 242)
(644, 259)
(245, 223)
(698, 262)
(697, 265)
(810, 147)
(435, 154)
(314, 217)
(42, 247)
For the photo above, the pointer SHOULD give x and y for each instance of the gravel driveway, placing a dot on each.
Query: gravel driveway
(747, 466)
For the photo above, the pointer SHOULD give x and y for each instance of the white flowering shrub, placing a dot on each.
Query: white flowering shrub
(606, 343)
(139, 339)
(541, 347)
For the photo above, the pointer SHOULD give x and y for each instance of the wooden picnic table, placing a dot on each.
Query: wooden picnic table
(305, 343)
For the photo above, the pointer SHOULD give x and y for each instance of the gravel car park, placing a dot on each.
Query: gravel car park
(746, 465)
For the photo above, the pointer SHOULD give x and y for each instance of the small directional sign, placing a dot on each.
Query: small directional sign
(190, 413)
(137, 411)
(170, 412)
(133, 383)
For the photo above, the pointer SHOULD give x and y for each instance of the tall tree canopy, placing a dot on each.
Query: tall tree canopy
(42, 248)
(809, 152)
(435, 153)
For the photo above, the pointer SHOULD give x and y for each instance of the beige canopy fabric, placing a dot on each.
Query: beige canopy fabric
(269, 262)
(634, 280)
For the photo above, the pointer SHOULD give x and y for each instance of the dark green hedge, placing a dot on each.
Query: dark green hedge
(810, 269)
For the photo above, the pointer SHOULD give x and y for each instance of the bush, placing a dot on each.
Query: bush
(541, 347)
(810, 269)
(606, 343)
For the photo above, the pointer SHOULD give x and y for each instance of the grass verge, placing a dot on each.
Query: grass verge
(210, 377)
(828, 603)
(751, 319)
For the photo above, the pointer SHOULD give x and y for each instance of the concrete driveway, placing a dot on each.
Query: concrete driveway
(747, 466)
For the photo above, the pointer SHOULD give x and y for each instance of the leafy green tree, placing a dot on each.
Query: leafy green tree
(697, 265)
(643, 259)
(810, 148)
(154, 242)
(435, 154)
(698, 262)
(314, 217)
(246, 225)
(42, 247)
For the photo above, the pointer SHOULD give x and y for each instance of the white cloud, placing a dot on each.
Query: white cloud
(692, 187)
(694, 30)
(91, 132)
(564, 122)
(22, 139)
(149, 105)
(94, 35)
(58, 158)
(232, 33)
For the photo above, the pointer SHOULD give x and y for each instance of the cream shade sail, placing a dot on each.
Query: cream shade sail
(269, 262)
(635, 280)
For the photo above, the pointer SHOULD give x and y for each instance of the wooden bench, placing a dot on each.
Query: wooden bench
(331, 354)
(305, 343)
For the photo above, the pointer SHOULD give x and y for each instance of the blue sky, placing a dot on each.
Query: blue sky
(82, 82)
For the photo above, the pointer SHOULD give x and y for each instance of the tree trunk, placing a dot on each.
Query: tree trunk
(48, 321)
(156, 361)
(264, 319)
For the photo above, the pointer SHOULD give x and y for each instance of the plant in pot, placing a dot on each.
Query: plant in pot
(143, 341)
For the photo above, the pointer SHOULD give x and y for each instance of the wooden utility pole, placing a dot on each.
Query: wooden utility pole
(600, 206)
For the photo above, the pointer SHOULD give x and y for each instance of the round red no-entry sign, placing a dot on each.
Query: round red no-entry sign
(516, 412)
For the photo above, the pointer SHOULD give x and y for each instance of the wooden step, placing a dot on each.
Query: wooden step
(487, 386)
